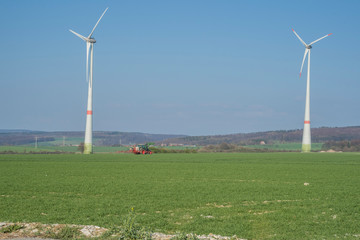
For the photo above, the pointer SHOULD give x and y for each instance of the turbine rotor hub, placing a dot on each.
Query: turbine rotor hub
(92, 40)
(308, 46)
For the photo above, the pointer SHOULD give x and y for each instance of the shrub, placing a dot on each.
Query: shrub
(81, 147)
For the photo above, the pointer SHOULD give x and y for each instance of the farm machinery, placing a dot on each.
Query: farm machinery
(141, 149)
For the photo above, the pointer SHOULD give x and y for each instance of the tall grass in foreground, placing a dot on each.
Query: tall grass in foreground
(255, 196)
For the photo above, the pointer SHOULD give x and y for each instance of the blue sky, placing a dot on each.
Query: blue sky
(183, 67)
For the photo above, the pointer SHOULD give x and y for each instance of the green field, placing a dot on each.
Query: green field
(287, 146)
(53, 148)
(47, 147)
(255, 195)
(68, 141)
(24, 149)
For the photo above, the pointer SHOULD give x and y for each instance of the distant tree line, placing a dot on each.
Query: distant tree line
(9, 139)
(226, 147)
(345, 146)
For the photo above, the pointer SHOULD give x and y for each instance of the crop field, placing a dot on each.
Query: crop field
(45, 147)
(22, 149)
(255, 195)
(287, 146)
(68, 141)
(53, 148)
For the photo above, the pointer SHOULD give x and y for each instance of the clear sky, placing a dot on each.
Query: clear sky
(184, 67)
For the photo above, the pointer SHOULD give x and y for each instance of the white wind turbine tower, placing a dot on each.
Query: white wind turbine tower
(306, 141)
(89, 77)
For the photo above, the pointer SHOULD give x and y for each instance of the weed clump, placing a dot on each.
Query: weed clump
(64, 233)
(11, 228)
(130, 229)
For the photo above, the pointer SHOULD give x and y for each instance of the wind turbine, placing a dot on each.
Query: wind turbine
(89, 77)
(306, 141)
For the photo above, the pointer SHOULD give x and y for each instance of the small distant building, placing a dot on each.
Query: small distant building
(262, 143)
(176, 144)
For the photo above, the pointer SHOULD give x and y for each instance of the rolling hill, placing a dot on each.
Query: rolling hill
(110, 138)
(319, 135)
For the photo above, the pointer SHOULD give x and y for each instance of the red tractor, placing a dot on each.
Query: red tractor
(141, 149)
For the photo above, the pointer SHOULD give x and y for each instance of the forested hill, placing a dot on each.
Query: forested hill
(100, 138)
(318, 135)
(107, 138)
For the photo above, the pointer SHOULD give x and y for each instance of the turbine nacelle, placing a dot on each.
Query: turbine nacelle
(86, 39)
(308, 47)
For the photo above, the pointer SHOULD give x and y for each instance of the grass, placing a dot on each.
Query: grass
(28, 148)
(255, 196)
(105, 149)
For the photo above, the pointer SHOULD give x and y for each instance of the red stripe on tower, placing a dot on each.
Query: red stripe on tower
(89, 112)
(306, 122)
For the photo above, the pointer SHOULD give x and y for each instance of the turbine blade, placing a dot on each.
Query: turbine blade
(80, 36)
(299, 37)
(87, 60)
(302, 65)
(320, 39)
(97, 23)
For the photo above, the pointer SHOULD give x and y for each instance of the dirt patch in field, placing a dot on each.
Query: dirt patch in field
(16, 230)
(226, 205)
(42, 231)
(261, 213)
(280, 201)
